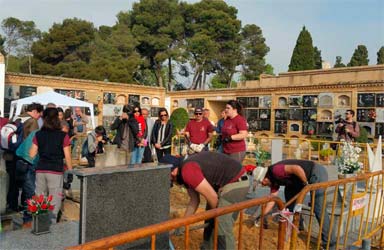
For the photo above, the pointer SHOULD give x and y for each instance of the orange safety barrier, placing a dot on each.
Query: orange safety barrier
(156, 229)
(355, 206)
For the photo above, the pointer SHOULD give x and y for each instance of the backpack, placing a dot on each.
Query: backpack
(23, 150)
(84, 148)
(12, 134)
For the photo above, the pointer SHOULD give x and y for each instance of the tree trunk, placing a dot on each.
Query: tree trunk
(160, 81)
(30, 64)
(6, 62)
(204, 80)
(170, 74)
(230, 80)
(195, 77)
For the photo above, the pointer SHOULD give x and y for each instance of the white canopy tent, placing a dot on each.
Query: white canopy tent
(50, 97)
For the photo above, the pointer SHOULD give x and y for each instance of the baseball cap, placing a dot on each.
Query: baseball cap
(173, 160)
(198, 110)
(259, 173)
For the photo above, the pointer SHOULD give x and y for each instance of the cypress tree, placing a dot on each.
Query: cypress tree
(339, 63)
(317, 58)
(359, 57)
(303, 56)
(380, 55)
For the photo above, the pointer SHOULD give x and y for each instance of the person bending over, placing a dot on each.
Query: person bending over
(216, 177)
(295, 175)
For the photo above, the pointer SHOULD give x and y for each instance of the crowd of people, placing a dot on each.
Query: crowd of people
(52, 136)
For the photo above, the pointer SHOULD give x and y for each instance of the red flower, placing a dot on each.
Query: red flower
(44, 206)
(29, 202)
(51, 207)
(41, 199)
(249, 168)
(32, 208)
(49, 198)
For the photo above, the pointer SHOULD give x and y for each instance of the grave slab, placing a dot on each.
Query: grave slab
(122, 198)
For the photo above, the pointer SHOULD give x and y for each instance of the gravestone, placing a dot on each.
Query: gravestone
(111, 157)
(277, 150)
(326, 100)
(122, 198)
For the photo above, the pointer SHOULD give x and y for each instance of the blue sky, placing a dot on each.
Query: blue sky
(336, 26)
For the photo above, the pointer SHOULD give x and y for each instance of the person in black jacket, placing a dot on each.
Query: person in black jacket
(127, 130)
(161, 136)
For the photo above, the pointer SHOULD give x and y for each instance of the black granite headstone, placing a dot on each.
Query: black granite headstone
(281, 114)
(120, 199)
(379, 100)
(366, 100)
(281, 127)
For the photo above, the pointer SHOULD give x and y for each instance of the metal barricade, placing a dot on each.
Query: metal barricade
(355, 207)
(187, 222)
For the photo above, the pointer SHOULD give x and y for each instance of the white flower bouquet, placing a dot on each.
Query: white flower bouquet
(348, 160)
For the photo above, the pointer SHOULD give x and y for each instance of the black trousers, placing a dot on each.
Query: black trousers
(161, 152)
(14, 185)
(91, 159)
(147, 156)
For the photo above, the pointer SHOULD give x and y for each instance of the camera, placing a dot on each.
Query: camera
(106, 138)
(339, 119)
(128, 108)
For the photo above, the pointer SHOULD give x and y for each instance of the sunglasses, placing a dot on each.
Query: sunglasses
(163, 115)
(198, 113)
(136, 110)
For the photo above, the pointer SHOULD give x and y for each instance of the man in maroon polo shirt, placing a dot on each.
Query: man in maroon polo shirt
(199, 132)
(216, 177)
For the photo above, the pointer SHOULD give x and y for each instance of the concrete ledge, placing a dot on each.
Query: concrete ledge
(61, 236)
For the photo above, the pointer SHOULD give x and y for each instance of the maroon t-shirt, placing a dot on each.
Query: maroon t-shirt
(199, 131)
(218, 169)
(232, 127)
(279, 173)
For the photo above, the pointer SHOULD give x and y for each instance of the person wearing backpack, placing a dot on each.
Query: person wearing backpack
(52, 145)
(21, 173)
(90, 145)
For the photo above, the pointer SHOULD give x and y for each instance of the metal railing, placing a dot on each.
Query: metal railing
(187, 222)
(355, 207)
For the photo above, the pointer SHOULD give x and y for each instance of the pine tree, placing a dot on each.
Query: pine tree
(380, 55)
(339, 63)
(359, 57)
(303, 53)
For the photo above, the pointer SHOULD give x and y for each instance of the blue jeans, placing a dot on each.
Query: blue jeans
(137, 155)
(319, 174)
(28, 187)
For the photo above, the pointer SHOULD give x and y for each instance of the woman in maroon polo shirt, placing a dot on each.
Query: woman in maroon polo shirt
(234, 131)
